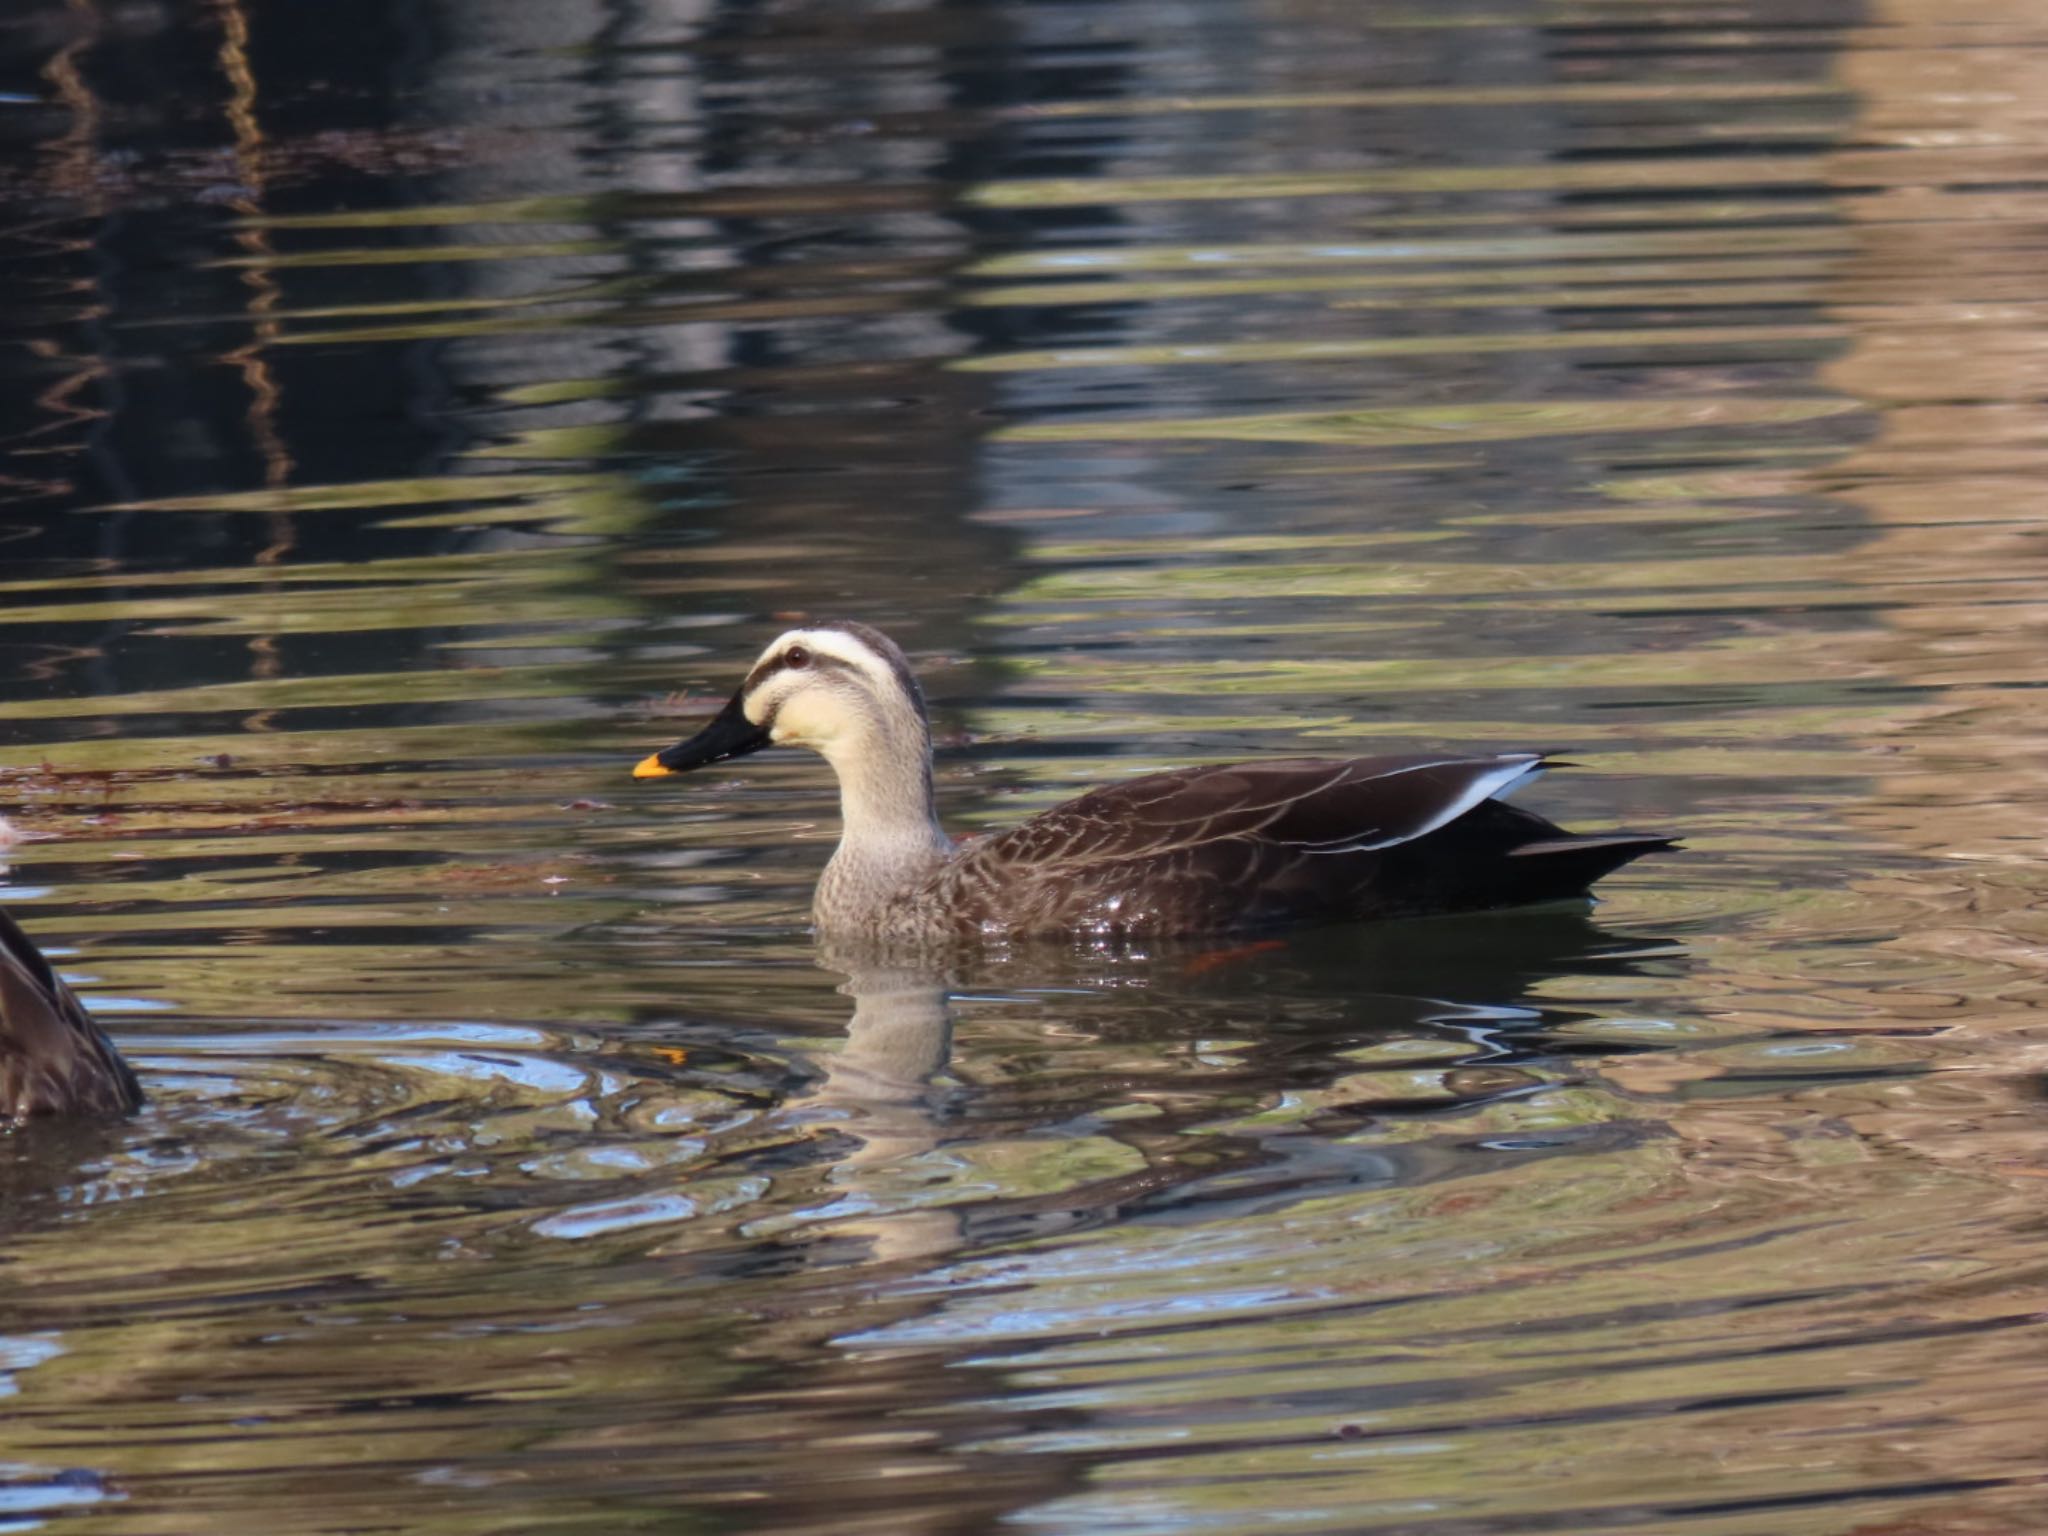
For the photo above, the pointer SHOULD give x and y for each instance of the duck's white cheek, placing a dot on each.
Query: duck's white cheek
(801, 721)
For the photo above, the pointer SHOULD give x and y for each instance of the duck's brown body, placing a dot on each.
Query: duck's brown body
(1197, 850)
(53, 1058)
(1246, 846)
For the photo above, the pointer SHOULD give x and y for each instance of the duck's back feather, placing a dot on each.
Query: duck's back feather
(53, 1058)
(1250, 845)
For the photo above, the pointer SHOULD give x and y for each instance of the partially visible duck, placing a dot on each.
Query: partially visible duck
(53, 1058)
(1231, 847)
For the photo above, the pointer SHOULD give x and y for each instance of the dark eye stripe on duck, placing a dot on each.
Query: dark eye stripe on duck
(877, 644)
(814, 661)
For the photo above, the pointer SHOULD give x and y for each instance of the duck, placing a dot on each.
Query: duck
(1217, 849)
(53, 1059)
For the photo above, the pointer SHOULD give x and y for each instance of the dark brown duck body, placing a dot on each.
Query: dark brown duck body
(53, 1059)
(1249, 846)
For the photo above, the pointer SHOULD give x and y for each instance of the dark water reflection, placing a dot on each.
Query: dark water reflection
(412, 409)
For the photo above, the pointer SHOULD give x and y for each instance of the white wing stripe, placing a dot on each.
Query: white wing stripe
(1489, 786)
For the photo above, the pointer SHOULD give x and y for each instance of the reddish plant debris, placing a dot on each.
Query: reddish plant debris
(1217, 959)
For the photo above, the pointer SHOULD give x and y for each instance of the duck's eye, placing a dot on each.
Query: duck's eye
(796, 656)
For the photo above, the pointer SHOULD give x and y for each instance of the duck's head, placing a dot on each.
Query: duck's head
(833, 687)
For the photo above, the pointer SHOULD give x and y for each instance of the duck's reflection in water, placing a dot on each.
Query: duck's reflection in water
(1108, 1067)
(881, 1090)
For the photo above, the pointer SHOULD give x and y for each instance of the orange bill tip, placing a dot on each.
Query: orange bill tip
(649, 767)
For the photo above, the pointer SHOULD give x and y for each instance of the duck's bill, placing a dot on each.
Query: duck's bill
(729, 735)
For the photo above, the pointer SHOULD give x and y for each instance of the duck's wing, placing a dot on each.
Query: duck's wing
(1308, 806)
(53, 1058)
(1247, 845)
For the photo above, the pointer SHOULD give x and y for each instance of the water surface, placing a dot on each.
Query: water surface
(415, 413)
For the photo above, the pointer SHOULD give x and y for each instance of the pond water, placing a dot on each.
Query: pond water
(416, 410)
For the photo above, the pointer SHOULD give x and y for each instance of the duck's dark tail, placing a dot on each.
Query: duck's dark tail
(1499, 855)
(1569, 862)
(53, 1058)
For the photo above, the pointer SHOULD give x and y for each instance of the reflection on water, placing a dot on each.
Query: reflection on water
(415, 412)
(547, 1196)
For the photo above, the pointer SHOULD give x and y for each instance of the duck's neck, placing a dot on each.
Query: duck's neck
(890, 840)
